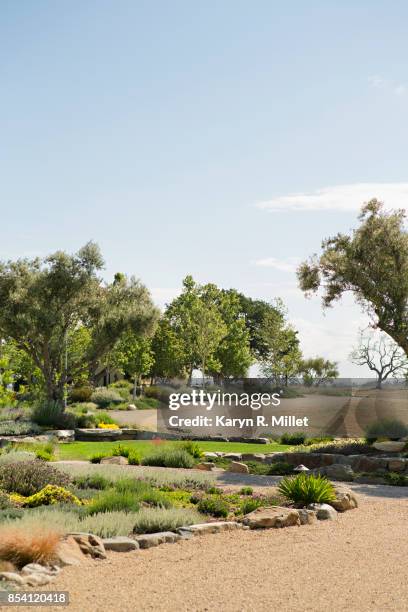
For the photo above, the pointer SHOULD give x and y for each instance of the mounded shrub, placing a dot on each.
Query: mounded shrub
(249, 505)
(114, 501)
(5, 502)
(280, 468)
(153, 520)
(50, 495)
(80, 394)
(246, 491)
(29, 477)
(52, 414)
(174, 458)
(192, 448)
(293, 439)
(92, 481)
(215, 506)
(304, 490)
(103, 397)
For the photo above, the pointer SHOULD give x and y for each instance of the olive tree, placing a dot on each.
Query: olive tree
(42, 301)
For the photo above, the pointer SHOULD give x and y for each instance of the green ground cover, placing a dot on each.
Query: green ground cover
(84, 450)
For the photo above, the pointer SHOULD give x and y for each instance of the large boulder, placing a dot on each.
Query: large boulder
(362, 463)
(274, 517)
(233, 456)
(115, 460)
(397, 465)
(205, 528)
(324, 512)
(345, 499)
(68, 553)
(205, 466)
(253, 457)
(390, 446)
(337, 471)
(90, 544)
(120, 544)
(148, 540)
(239, 468)
(307, 517)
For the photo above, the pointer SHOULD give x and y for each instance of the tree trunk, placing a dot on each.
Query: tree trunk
(134, 387)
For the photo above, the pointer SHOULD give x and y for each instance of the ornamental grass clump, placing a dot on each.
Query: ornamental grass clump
(304, 490)
(22, 546)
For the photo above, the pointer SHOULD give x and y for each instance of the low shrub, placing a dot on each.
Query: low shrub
(156, 498)
(397, 480)
(134, 458)
(44, 451)
(108, 426)
(153, 520)
(293, 439)
(50, 495)
(344, 447)
(108, 524)
(214, 491)
(11, 514)
(250, 504)
(192, 448)
(18, 428)
(168, 478)
(29, 477)
(169, 457)
(280, 468)
(160, 393)
(5, 502)
(103, 397)
(112, 500)
(215, 506)
(121, 451)
(97, 457)
(246, 491)
(92, 481)
(80, 394)
(393, 429)
(304, 490)
(52, 414)
(21, 547)
(15, 456)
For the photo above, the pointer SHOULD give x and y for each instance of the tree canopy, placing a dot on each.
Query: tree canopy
(372, 263)
(43, 302)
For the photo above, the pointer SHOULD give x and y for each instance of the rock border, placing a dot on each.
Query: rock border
(74, 547)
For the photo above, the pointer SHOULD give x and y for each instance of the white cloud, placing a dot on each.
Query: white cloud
(340, 197)
(288, 265)
(378, 82)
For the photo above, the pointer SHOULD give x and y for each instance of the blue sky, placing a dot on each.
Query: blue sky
(174, 133)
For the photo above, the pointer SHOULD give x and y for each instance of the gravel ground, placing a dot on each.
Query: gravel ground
(355, 563)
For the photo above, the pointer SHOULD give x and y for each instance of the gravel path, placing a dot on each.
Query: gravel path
(356, 563)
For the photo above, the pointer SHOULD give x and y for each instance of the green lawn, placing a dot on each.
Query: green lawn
(84, 450)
